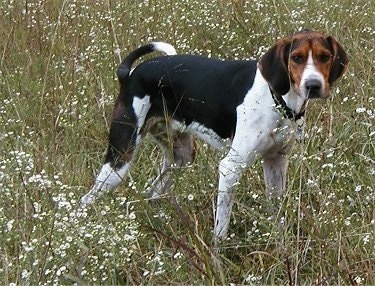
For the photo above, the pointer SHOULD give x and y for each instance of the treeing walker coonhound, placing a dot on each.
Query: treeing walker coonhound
(257, 105)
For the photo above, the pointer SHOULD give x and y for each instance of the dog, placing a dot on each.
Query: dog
(257, 105)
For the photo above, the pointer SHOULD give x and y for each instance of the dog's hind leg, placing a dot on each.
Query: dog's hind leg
(124, 138)
(179, 150)
(163, 181)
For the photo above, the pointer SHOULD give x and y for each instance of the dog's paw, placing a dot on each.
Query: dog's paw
(87, 200)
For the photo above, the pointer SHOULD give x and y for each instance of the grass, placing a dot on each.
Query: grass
(57, 81)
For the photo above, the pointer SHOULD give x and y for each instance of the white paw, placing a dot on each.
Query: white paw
(87, 200)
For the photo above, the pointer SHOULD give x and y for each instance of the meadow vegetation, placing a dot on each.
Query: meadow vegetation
(58, 82)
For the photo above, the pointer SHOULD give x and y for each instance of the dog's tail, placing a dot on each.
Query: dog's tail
(123, 70)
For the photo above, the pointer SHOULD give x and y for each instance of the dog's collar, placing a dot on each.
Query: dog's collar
(284, 109)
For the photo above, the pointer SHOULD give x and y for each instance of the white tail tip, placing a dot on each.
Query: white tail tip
(165, 48)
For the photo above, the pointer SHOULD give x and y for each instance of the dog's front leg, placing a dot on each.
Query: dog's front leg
(108, 178)
(275, 169)
(230, 171)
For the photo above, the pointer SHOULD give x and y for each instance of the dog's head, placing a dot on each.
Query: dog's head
(308, 62)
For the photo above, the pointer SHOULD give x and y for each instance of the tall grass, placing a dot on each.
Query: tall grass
(57, 81)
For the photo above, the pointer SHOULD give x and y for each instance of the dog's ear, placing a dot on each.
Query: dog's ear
(340, 60)
(274, 66)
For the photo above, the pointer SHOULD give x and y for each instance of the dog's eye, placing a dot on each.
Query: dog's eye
(297, 59)
(324, 58)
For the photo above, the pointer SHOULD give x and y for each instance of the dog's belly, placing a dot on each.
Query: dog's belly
(202, 132)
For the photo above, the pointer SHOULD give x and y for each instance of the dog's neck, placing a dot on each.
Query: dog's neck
(291, 105)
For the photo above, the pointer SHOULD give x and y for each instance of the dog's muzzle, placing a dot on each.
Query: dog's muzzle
(314, 88)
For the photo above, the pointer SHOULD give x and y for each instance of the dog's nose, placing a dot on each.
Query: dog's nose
(313, 84)
(313, 87)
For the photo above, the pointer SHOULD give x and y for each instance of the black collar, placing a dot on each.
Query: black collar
(284, 109)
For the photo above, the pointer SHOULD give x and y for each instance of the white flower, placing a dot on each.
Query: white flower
(358, 280)
(132, 215)
(252, 278)
(177, 255)
(358, 188)
(146, 273)
(329, 165)
(366, 239)
(360, 110)
(25, 274)
(10, 224)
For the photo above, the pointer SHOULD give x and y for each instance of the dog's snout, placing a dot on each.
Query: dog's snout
(313, 84)
(313, 87)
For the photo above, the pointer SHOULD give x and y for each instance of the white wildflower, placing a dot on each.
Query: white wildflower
(360, 110)
(358, 188)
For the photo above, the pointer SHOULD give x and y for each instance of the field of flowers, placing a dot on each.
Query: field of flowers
(58, 62)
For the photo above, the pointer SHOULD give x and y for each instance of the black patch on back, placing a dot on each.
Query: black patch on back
(194, 88)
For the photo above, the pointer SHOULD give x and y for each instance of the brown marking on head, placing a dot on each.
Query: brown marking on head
(308, 62)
